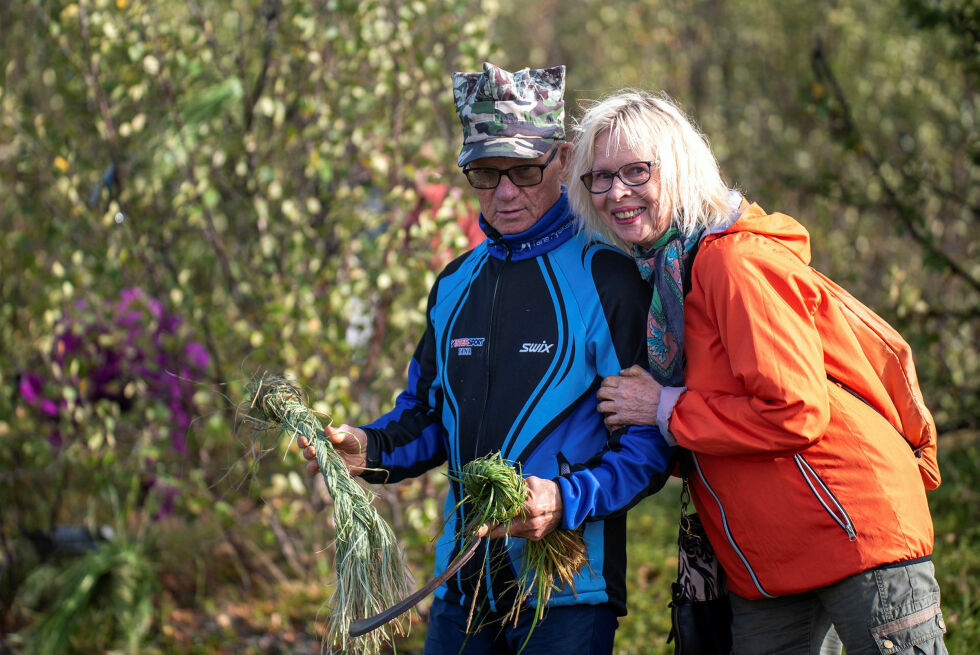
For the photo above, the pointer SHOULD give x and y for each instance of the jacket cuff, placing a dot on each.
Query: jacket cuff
(668, 398)
(577, 498)
(372, 458)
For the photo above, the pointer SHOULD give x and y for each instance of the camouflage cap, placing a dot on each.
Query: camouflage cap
(505, 114)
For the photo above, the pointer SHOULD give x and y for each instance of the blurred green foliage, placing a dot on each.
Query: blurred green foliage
(279, 180)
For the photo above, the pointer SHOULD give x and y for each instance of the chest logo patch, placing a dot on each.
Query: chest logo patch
(465, 345)
(542, 347)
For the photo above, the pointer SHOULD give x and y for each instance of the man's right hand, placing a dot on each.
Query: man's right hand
(347, 440)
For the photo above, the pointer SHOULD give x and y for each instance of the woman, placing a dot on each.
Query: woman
(813, 502)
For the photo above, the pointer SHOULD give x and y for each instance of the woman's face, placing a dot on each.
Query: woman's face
(632, 212)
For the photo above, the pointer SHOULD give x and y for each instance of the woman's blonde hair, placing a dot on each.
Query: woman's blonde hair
(654, 127)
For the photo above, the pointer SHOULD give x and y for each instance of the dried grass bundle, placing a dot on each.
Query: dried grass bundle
(371, 570)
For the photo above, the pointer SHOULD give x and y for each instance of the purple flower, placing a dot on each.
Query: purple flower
(66, 345)
(168, 505)
(31, 390)
(155, 307)
(111, 345)
(49, 407)
(197, 356)
(130, 294)
(31, 385)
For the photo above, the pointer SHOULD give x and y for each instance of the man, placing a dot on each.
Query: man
(520, 332)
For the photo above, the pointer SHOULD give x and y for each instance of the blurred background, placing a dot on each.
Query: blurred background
(193, 192)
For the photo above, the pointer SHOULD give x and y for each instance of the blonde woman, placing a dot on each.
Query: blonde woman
(813, 503)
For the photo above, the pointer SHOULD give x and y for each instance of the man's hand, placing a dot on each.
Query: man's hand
(540, 515)
(349, 441)
(631, 398)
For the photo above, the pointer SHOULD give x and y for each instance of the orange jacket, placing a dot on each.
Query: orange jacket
(799, 484)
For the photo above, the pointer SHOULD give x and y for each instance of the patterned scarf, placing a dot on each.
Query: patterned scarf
(664, 266)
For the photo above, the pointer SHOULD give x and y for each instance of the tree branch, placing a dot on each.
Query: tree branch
(906, 212)
(91, 75)
(962, 315)
(270, 11)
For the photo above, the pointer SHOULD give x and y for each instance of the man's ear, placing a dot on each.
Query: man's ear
(564, 160)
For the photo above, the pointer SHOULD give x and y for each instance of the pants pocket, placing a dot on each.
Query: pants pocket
(913, 629)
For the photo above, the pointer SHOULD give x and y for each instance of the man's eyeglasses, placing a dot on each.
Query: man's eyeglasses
(523, 175)
(632, 174)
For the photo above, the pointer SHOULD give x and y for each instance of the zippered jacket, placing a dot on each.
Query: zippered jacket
(520, 332)
(799, 483)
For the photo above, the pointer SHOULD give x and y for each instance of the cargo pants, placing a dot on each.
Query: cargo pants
(889, 610)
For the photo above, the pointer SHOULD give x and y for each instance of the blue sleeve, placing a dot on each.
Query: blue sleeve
(635, 463)
(410, 439)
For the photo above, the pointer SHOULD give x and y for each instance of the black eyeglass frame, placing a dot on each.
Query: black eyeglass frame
(616, 173)
(501, 172)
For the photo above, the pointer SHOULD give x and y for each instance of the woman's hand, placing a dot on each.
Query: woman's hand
(631, 398)
(349, 441)
(540, 515)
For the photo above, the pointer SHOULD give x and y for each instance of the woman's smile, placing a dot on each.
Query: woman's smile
(627, 215)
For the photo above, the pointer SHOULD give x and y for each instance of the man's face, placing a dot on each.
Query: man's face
(511, 209)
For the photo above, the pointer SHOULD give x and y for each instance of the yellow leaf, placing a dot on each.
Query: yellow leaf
(121, 4)
(61, 164)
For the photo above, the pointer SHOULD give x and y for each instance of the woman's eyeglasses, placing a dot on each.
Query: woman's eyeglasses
(632, 174)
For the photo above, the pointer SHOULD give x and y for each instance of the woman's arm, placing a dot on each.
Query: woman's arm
(760, 300)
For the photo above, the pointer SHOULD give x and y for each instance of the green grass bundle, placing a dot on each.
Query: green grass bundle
(496, 493)
(371, 570)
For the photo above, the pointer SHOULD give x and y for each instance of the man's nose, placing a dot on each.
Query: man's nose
(506, 188)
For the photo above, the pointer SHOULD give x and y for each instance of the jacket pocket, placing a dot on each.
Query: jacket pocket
(826, 497)
(913, 629)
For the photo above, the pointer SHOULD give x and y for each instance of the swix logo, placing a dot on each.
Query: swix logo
(543, 347)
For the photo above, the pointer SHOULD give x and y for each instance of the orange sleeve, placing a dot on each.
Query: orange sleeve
(760, 302)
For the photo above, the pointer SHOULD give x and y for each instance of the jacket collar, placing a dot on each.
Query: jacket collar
(553, 229)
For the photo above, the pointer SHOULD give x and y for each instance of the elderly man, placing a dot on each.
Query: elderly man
(520, 332)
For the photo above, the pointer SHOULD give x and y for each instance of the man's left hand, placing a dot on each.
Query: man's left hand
(540, 516)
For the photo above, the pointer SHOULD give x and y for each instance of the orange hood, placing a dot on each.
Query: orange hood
(781, 228)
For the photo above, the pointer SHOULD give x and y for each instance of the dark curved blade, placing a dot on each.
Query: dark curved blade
(363, 626)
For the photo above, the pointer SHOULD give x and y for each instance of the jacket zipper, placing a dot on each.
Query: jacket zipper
(827, 499)
(483, 412)
(728, 532)
(916, 452)
(490, 347)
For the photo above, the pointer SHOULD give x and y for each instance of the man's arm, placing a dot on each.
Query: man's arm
(635, 461)
(410, 439)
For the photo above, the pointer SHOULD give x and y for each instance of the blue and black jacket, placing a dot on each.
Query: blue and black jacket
(520, 332)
